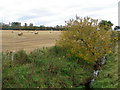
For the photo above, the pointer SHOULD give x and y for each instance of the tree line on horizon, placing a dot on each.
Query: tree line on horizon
(18, 26)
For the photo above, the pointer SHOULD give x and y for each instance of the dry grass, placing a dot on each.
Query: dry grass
(28, 41)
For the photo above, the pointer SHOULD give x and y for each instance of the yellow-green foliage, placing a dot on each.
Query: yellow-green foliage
(84, 39)
(115, 36)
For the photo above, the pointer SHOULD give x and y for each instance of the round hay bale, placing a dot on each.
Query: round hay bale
(20, 34)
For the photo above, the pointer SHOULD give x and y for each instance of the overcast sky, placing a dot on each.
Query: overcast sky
(56, 12)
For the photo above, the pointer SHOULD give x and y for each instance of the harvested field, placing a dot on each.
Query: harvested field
(29, 41)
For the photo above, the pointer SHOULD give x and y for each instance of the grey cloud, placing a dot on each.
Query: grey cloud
(99, 8)
(42, 12)
(95, 15)
(27, 17)
(36, 13)
(91, 9)
(74, 6)
(41, 22)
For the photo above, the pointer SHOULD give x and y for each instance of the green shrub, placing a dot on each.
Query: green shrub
(57, 51)
(21, 57)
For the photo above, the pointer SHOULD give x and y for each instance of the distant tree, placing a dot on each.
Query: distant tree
(116, 27)
(0, 26)
(31, 25)
(16, 25)
(61, 27)
(5, 26)
(25, 25)
(57, 26)
(9, 24)
(42, 27)
(107, 25)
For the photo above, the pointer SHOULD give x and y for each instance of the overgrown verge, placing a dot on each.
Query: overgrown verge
(43, 68)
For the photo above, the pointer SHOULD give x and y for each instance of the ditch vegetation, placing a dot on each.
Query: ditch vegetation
(76, 61)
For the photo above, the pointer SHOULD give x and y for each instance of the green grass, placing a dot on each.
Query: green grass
(43, 68)
(50, 68)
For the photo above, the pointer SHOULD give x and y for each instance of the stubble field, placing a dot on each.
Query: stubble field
(29, 40)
